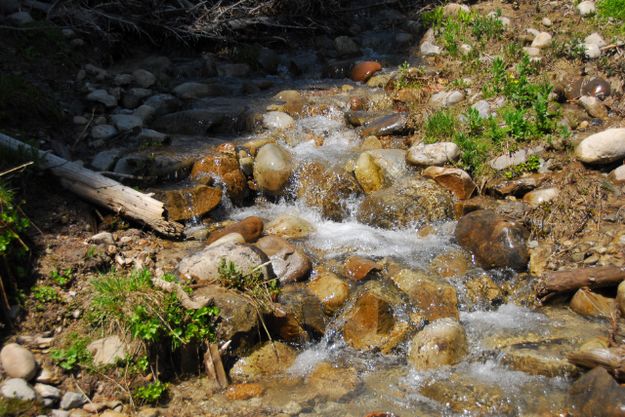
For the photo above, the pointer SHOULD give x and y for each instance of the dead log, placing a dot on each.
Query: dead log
(612, 359)
(566, 281)
(101, 190)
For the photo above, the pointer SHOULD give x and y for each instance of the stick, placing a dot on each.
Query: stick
(566, 281)
(102, 190)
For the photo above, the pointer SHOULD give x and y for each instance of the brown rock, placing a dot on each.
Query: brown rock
(289, 263)
(364, 70)
(250, 228)
(330, 290)
(454, 179)
(442, 342)
(357, 268)
(391, 124)
(301, 312)
(516, 187)
(189, 202)
(333, 383)
(588, 303)
(432, 297)
(244, 391)
(495, 241)
(449, 264)
(222, 168)
(289, 227)
(356, 103)
(271, 359)
(597, 394)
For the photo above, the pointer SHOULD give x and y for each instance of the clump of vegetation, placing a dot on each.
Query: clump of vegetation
(254, 285)
(62, 278)
(612, 8)
(12, 407)
(151, 393)
(44, 294)
(531, 165)
(74, 355)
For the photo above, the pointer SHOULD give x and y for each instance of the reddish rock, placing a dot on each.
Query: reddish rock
(188, 202)
(357, 268)
(454, 179)
(250, 228)
(244, 391)
(364, 70)
(223, 167)
(356, 104)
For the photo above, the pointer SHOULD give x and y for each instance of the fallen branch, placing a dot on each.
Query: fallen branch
(184, 298)
(101, 190)
(567, 281)
(612, 359)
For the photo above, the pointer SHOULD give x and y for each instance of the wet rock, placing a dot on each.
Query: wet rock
(327, 189)
(188, 202)
(149, 137)
(594, 107)
(331, 291)
(618, 175)
(544, 195)
(588, 303)
(333, 383)
(454, 179)
(357, 268)
(204, 265)
(542, 40)
(364, 70)
(541, 358)
(495, 241)
(289, 227)
(17, 388)
(250, 228)
(238, 318)
(144, 78)
(277, 120)
(409, 201)
(229, 238)
(273, 167)
(18, 362)
(194, 90)
(103, 97)
(272, 358)
(432, 297)
(244, 391)
(446, 98)
(163, 104)
(392, 124)
(442, 342)
(125, 122)
(72, 400)
(370, 143)
(360, 117)
(222, 168)
(144, 113)
(293, 102)
(597, 394)
(368, 174)
(289, 263)
(516, 187)
(433, 154)
(392, 163)
(452, 263)
(586, 8)
(134, 96)
(345, 46)
(108, 350)
(603, 147)
(302, 313)
(373, 322)
(595, 87)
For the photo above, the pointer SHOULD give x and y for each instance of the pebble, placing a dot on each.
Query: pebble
(483, 108)
(531, 51)
(603, 147)
(537, 197)
(433, 154)
(542, 40)
(596, 39)
(17, 388)
(102, 96)
(592, 51)
(18, 362)
(547, 22)
(48, 391)
(587, 8)
(446, 98)
(144, 78)
(72, 400)
(277, 120)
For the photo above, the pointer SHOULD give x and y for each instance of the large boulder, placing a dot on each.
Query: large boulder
(442, 342)
(273, 167)
(603, 147)
(222, 168)
(288, 262)
(18, 362)
(270, 359)
(597, 394)
(495, 241)
(409, 201)
(433, 298)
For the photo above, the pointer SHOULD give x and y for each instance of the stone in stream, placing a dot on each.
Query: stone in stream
(222, 167)
(454, 179)
(451, 263)
(361, 117)
(391, 124)
(362, 71)
(277, 120)
(368, 173)
(442, 342)
(288, 262)
(244, 391)
(588, 303)
(433, 154)
(188, 202)
(229, 238)
(597, 394)
(494, 241)
(603, 147)
(357, 268)
(273, 167)
(332, 383)
(300, 313)
(407, 202)
(203, 266)
(620, 298)
(432, 297)
(250, 228)
(270, 359)
(516, 187)
(331, 291)
(134, 96)
(594, 107)
(17, 388)
(293, 102)
(18, 362)
(289, 227)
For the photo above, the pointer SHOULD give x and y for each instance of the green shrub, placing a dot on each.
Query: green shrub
(74, 355)
(440, 126)
(151, 393)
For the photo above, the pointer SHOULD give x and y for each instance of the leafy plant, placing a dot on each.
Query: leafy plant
(151, 393)
(74, 355)
(44, 294)
(62, 278)
(532, 164)
(440, 125)
(253, 284)
(12, 222)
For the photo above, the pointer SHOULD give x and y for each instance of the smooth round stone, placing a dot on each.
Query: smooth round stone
(17, 388)
(272, 168)
(587, 8)
(592, 51)
(289, 227)
(144, 78)
(618, 175)
(364, 70)
(103, 132)
(433, 154)
(547, 22)
(442, 342)
(277, 120)
(603, 147)
(18, 362)
(542, 40)
(596, 87)
(595, 38)
(446, 98)
(537, 197)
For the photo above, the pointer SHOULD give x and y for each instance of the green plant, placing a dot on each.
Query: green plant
(440, 125)
(74, 355)
(574, 48)
(44, 294)
(487, 27)
(12, 222)
(253, 284)
(612, 8)
(151, 393)
(91, 252)
(62, 278)
(532, 164)
(12, 407)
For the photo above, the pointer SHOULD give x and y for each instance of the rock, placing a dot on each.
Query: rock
(595, 39)
(442, 342)
(289, 263)
(273, 167)
(595, 87)
(204, 265)
(332, 383)
(357, 268)
(250, 228)
(495, 241)
(446, 98)
(586, 8)
(428, 45)
(592, 51)
(122, 80)
(233, 70)
(244, 391)
(229, 238)
(108, 350)
(331, 291)
(327, 189)
(293, 102)
(149, 137)
(60, 413)
(544, 195)
(451, 263)
(438, 153)
(453, 9)
(277, 120)
(345, 46)
(271, 359)
(373, 321)
(364, 70)
(454, 179)
(48, 391)
(618, 175)
(134, 96)
(391, 124)
(238, 317)
(597, 394)
(125, 122)
(603, 147)
(17, 388)
(594, 107)
(103, 97)
(222, 168)
(408, 202)
(542, 40)
(433, 298)
(103, 132)
(516, 187)
(588, 303)
(193, 90)
(73, 400)
(289, 227)
(189, 202)
(144, 79)
(102, 238)
(163, 104)
(515, 158)
(368, 173)
(531, 51)
(483, 108)
(18, 362)
(20, 18)
(547, 22)
(302, 313)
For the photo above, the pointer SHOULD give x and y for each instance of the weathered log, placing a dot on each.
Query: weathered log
(612, 359)
(565, 281)
(101, 190)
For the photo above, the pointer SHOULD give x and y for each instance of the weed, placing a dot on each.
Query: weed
(91, 252)
(254, 284)
(440, 125)
(574, 48)
(74, 355)
(532, 164)
(62, 278)
(408, 77)
(12, 223)
(44, 294)
(612, 8)
(151, 393)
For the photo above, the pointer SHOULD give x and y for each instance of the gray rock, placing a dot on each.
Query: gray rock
(135, 96)
(125, 122)
(17, 388)
(105, 160)
(592, 51)
(508, 160)
(163, 103)
(483, 108)
(123, 79)
(192, 90)
(102, 96)
(73, 400)
(603, 147)
(103, 132)
(542, 40)
(144, 79)
(152, 137)
(433, 154)
(48, 391)
(277, 120)
(102, 238)
(596, 39)
(59, 413)
(428, 45)
(18, 362)
(587, 8)
(233, 70)
(446, 98)
(108, 350)
(144, 112)
(20, 18)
